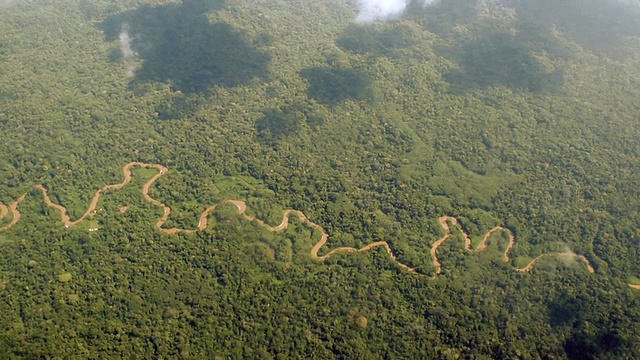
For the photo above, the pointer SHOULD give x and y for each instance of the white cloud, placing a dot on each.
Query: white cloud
(372, 10)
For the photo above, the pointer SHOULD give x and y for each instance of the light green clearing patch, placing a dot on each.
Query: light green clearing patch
(522, 261)
(142, 173)
(3, 239)
(66, 277)
(236, 187)
(89, 225)
(634, 280)
(406, 172)
(454, 180)
(7, 219)
(413, 163)
(73, 299)
(265, 277)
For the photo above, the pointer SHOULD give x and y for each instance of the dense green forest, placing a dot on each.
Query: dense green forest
(522, 114)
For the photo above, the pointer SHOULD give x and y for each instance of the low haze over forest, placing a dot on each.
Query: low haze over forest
(361, 179)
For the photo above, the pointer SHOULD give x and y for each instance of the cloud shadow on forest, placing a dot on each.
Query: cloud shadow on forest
(285, 121)
(362, 39)
(331, 86)
(500, 59)
(277, 123)
(443, 16)
(583, 343)
(485, 53)
(601, 26)
(177, 44)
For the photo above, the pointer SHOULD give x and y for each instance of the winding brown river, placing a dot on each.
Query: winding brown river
(14, 211)
(445, 221)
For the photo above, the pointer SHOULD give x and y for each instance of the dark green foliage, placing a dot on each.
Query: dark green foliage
(502, 59)
(203, 6)
(288, 120)
(480, 110)
(359, 39)
(177, 44)
(278, 123)
(362, 39)
(603, 26)
(333, 85)
(178, 106)
(442, 17)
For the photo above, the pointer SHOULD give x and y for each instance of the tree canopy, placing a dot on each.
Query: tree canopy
(447, 122)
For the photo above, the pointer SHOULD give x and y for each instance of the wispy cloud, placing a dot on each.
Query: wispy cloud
(125, 48)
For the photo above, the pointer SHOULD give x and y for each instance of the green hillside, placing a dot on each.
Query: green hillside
(518, 114)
